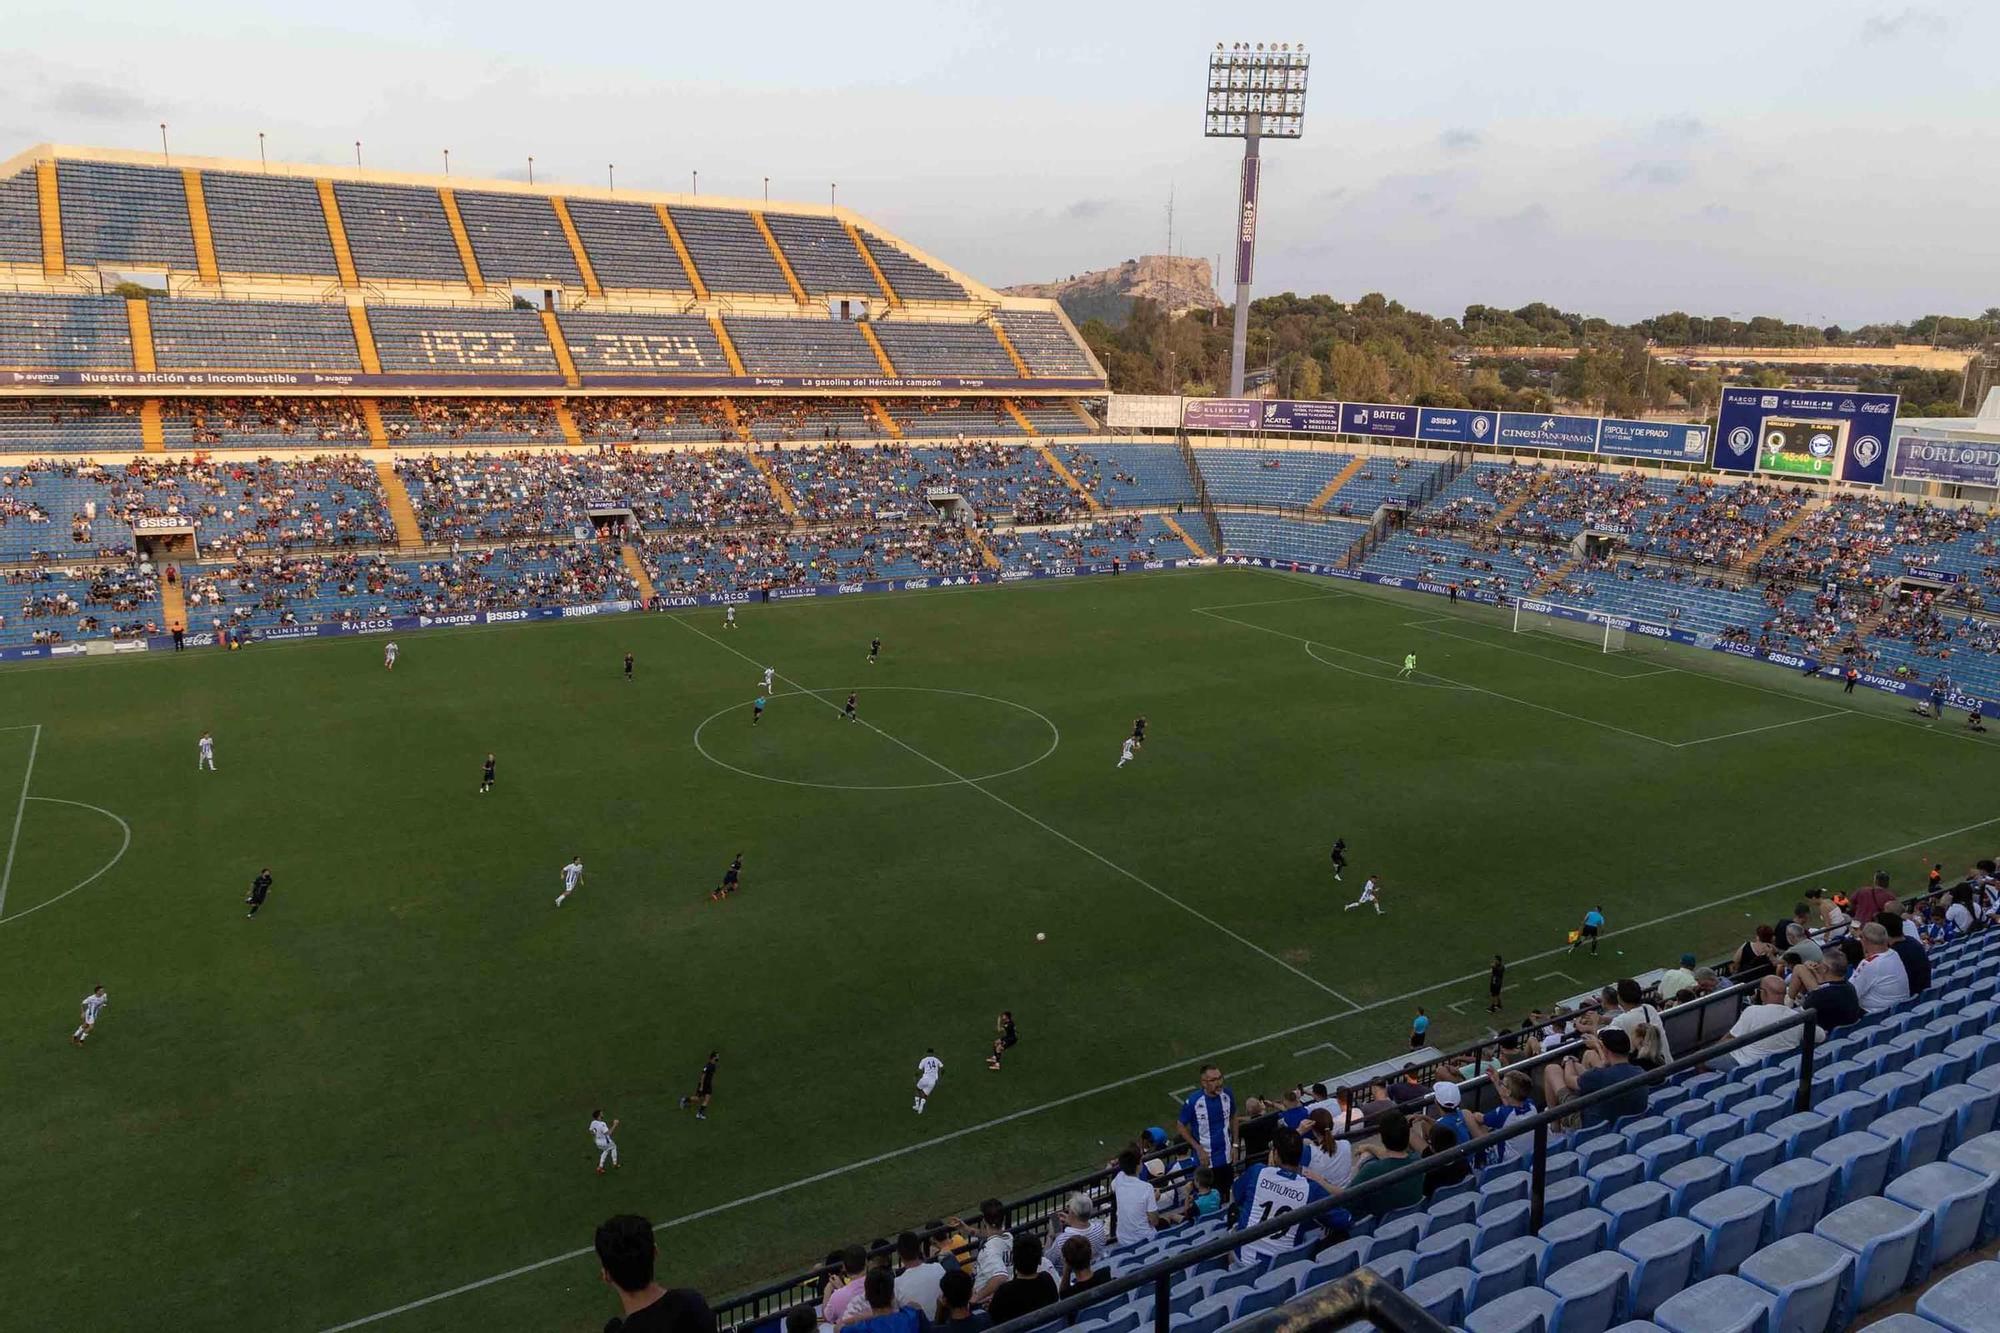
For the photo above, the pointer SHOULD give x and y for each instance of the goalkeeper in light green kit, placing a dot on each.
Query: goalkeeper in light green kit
(1409, 666)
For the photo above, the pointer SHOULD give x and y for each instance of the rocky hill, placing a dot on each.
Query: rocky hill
(1179, 284)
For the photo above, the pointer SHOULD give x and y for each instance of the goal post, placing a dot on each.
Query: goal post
(1532, 616)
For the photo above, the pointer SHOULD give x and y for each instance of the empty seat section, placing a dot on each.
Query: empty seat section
(1051, 416)
(69, 425)
(933, 418)
(728, 251)
(65, 332)
(114, 214)
(802, 347)
(1287, 538)
(1045, 344)
(1380, 480)
(252, 335)
(627, 246)
(517, 237)
(20, 220)
(266, 224)
(419, 338)
(1132, 474)
(398, 231)
(786, 419)
(913, 281)
(1276, 477)
(822, 255)
(943, 349)
(643, 344)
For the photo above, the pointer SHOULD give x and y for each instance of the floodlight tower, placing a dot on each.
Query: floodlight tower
(1256, 91)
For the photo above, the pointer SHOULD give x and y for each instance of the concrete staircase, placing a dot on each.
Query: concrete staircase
(409, 535)
(173, 605)
(1068, 478)
(786, 503)
(1332, 488)
(1174, 526)
(637, 569)
(1779, 536)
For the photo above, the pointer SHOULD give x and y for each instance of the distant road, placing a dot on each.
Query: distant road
(1914, 355)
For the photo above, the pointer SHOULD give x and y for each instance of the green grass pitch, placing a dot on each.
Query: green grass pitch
(377, 1091)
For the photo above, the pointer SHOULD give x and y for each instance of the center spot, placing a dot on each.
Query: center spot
(909, 737)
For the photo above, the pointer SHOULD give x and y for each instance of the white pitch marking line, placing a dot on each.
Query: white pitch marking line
(1429, 627)
(1751, 731)
(833, 1173)
(1179, 1095)
(1277, 601)
(1458, 1006)
(99, 873)
(1323, 1046)
(998, 799)
(1564, 975)
(20, 808)
(1449, 682)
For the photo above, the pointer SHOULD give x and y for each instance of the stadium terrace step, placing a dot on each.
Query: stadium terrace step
(889, 423)
(50, 203)
(1332, 488)
(1057, 466)
(985, 552)
(139, 318)
(566, 422)
(1782, 534)
(1173, 526)
(854, 234)
(1552, 580)
(409, 535)
(1082, 414)
(336, 232)
(693, 274)
(560, 346)
(1007, 346)
(637, 569)
(875, 346)
(1505, 514)
(785, 265)
(173, 604)
(763, 465)
(371, 414)
(204, 239)
(590, 283)
(1014, 411)
(463, 240)
(364, 338)
(722, 337)
(150, 429)
(735, 420)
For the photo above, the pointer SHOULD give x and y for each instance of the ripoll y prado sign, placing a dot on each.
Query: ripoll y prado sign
(1675, 441)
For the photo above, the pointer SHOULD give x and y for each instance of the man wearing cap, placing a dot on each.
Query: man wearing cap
(1677, 979)
(1451, 1111)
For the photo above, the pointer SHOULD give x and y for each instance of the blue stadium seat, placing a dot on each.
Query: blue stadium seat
(1564, 1196)
(1810, 1277)
(1509, 1187)
(1573, 1236)
(1268, 1293)
(1507, 1267)
(1595, 1291)
(1847, 1074)
(1918, 1136)
(1445, 1247)
(1207, 1315)
(1853, 1109)
(1343, 1258)
(1981, 1156)
(1801, 1132)
(1663, 1151)
(1862, 1160)
(1972, 1110)
(1725, 1304)
(1711, 1131)
(1529, 1310)
(1966, 1302)
(1980, 1052)
(1801, 1187)
(1458, 1208)
(1883, 1236)
(1740, 1221)
(1445, 1296)
(1956, 1200)
(1897, 1089)
(1401, 1233)
(1614, 1173)
(1636, 1207)
(1599, 1149)
(1748, 1155)
(1758, 1113)
(1696, 1179)
(1939, 1070)
(1392, 1266)
(1667, 1257)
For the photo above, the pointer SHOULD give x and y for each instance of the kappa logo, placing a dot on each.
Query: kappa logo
(1847, 406)
(1867, 451)
(1740, 440)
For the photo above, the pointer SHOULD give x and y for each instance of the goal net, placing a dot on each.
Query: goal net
(1563, 622)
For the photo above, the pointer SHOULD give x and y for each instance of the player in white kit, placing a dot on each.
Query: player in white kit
(928, 1070)
(572, 875)
(389, 654)
(205, 753)
(1125, 755)
(770, 673)
(93, 1005)
(729, 617)
(1371, 896)
(600, 1134)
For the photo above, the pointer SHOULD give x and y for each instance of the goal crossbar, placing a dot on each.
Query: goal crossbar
(1606, 632)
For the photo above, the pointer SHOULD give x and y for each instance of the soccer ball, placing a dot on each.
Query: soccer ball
(1040, 938)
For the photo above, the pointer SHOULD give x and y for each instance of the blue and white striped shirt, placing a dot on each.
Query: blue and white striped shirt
(1207, 1118)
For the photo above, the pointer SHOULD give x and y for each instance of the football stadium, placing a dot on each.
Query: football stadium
(730, 757)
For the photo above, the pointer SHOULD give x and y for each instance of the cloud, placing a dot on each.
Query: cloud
(1717, 213)
(1909, 21)
(1655, 172)
(1083, 210)
(1459, 140)
(1679, 129)
(93, 101)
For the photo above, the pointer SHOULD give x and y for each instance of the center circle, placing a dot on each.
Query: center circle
(828, 703)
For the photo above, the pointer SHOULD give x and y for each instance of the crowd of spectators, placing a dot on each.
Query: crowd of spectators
(606, 420)
(113, 601)
(525, 494)
(445, 420)
(702, 561)
(891, 479)
(222, 421)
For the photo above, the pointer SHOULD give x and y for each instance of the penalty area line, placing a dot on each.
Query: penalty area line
(20, 809)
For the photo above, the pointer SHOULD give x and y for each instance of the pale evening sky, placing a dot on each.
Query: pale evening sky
(1817, 159)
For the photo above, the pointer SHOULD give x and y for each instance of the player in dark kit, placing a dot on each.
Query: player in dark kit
(486, 777)
(704, 1088)
(1496, 977)
(874, 650)
(1005, 1037)
(628, 666)
(1139, 731)
(849, 712)
(260, 888)
(1339, 856)
(732, 880)
(757, 711)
